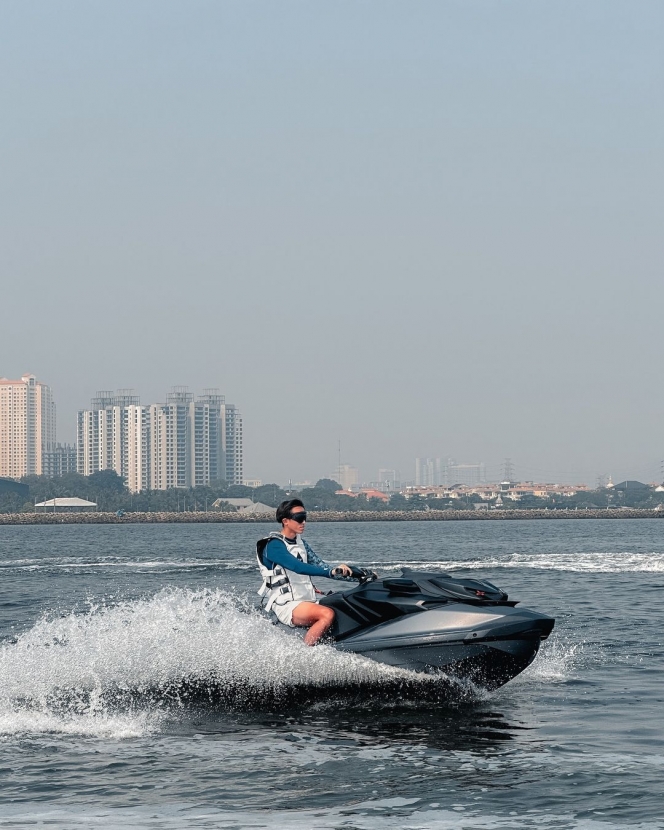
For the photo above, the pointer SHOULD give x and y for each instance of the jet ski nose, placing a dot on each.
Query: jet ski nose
(545, 625)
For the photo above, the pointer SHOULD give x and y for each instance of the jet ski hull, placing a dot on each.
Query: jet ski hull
(487, 664)
(419, 624)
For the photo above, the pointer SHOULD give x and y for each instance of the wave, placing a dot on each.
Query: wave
(556, 661)
(117, 562)
(117, 669)
(596, 562)
(376, 814)
(587, 562)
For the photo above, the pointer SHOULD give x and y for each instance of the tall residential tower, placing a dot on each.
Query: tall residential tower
(27, 426)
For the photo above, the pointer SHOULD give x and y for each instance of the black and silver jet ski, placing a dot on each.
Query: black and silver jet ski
(422, 621)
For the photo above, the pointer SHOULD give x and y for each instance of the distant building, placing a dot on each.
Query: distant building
(434, 472)
(372, 493)
(253, 482)
(428, 472)
(347, 476)
(368, 492)
(60, 461)
(180, 443)
(468, 474)
(389, 481)
(112, 435)
(27, 426)
(232, 444)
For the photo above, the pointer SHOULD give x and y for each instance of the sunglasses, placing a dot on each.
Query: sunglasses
(300, 518)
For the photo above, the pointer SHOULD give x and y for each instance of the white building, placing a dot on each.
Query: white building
(181, 443)
(170, 440)
(469, 474)
(433, 472)
(27, 426)
(428, 472)
(232, 444)
(389, 481)
(348, 477)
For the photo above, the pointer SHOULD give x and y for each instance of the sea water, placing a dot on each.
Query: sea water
(140, 687)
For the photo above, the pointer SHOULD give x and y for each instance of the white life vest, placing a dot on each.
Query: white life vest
(282, 586)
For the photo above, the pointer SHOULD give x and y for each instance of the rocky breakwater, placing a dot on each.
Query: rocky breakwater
(354, 516)
(126, 518)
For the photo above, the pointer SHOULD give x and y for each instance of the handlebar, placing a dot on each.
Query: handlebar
(362, 574)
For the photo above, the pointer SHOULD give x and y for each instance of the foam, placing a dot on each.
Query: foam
(392, 813)
(588, 562)
(594, 562)
(556, 662)
(68, 673)
(76, 564)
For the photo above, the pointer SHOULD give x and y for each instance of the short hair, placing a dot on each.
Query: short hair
(284, 509)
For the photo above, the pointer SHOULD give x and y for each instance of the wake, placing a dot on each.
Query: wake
(121, 669)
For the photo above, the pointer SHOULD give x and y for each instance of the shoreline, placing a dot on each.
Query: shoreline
(329, 516)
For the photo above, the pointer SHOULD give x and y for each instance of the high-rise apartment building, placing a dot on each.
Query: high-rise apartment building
(389, 481)
(468, 474)
(184, 442)
(348, 477)
(111, 436)
(27, 426)
(428, 472)
(232, 444)
(170, 432)
(434, 472)
(59, 461)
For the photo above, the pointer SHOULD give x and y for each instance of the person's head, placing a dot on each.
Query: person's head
(292, 515)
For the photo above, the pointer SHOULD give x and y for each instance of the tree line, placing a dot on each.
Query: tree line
(108, 490)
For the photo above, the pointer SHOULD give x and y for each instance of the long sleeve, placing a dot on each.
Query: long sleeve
(277, 553)
(315, 559)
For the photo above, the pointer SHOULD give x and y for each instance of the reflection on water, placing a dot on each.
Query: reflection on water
(454, 728)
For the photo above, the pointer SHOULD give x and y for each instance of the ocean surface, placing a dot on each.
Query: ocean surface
(141, 688)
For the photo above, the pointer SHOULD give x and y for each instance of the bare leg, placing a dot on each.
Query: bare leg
(319, 617)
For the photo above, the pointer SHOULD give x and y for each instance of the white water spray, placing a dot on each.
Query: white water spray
(58, 675)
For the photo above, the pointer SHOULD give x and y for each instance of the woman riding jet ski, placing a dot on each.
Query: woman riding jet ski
(421, 621)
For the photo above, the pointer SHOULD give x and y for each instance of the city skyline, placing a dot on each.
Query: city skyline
(62, 457)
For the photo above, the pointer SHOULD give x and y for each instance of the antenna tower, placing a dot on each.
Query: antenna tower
(508, 470)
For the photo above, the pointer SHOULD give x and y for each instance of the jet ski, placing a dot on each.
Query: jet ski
(425, 622)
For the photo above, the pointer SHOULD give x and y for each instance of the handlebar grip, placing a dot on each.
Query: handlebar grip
(363, 574)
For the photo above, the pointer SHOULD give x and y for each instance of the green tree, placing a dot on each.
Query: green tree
(239, 491)
(328, 484)
(270, 494)
(320, 498)
(107, 481)
(398, 502)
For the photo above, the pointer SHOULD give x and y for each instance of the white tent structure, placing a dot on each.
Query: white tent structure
(246, 506)
(68, 504)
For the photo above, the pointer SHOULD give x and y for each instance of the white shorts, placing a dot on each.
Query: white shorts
(285, 612)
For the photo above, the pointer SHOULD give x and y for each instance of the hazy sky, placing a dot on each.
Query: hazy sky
(423, 228)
